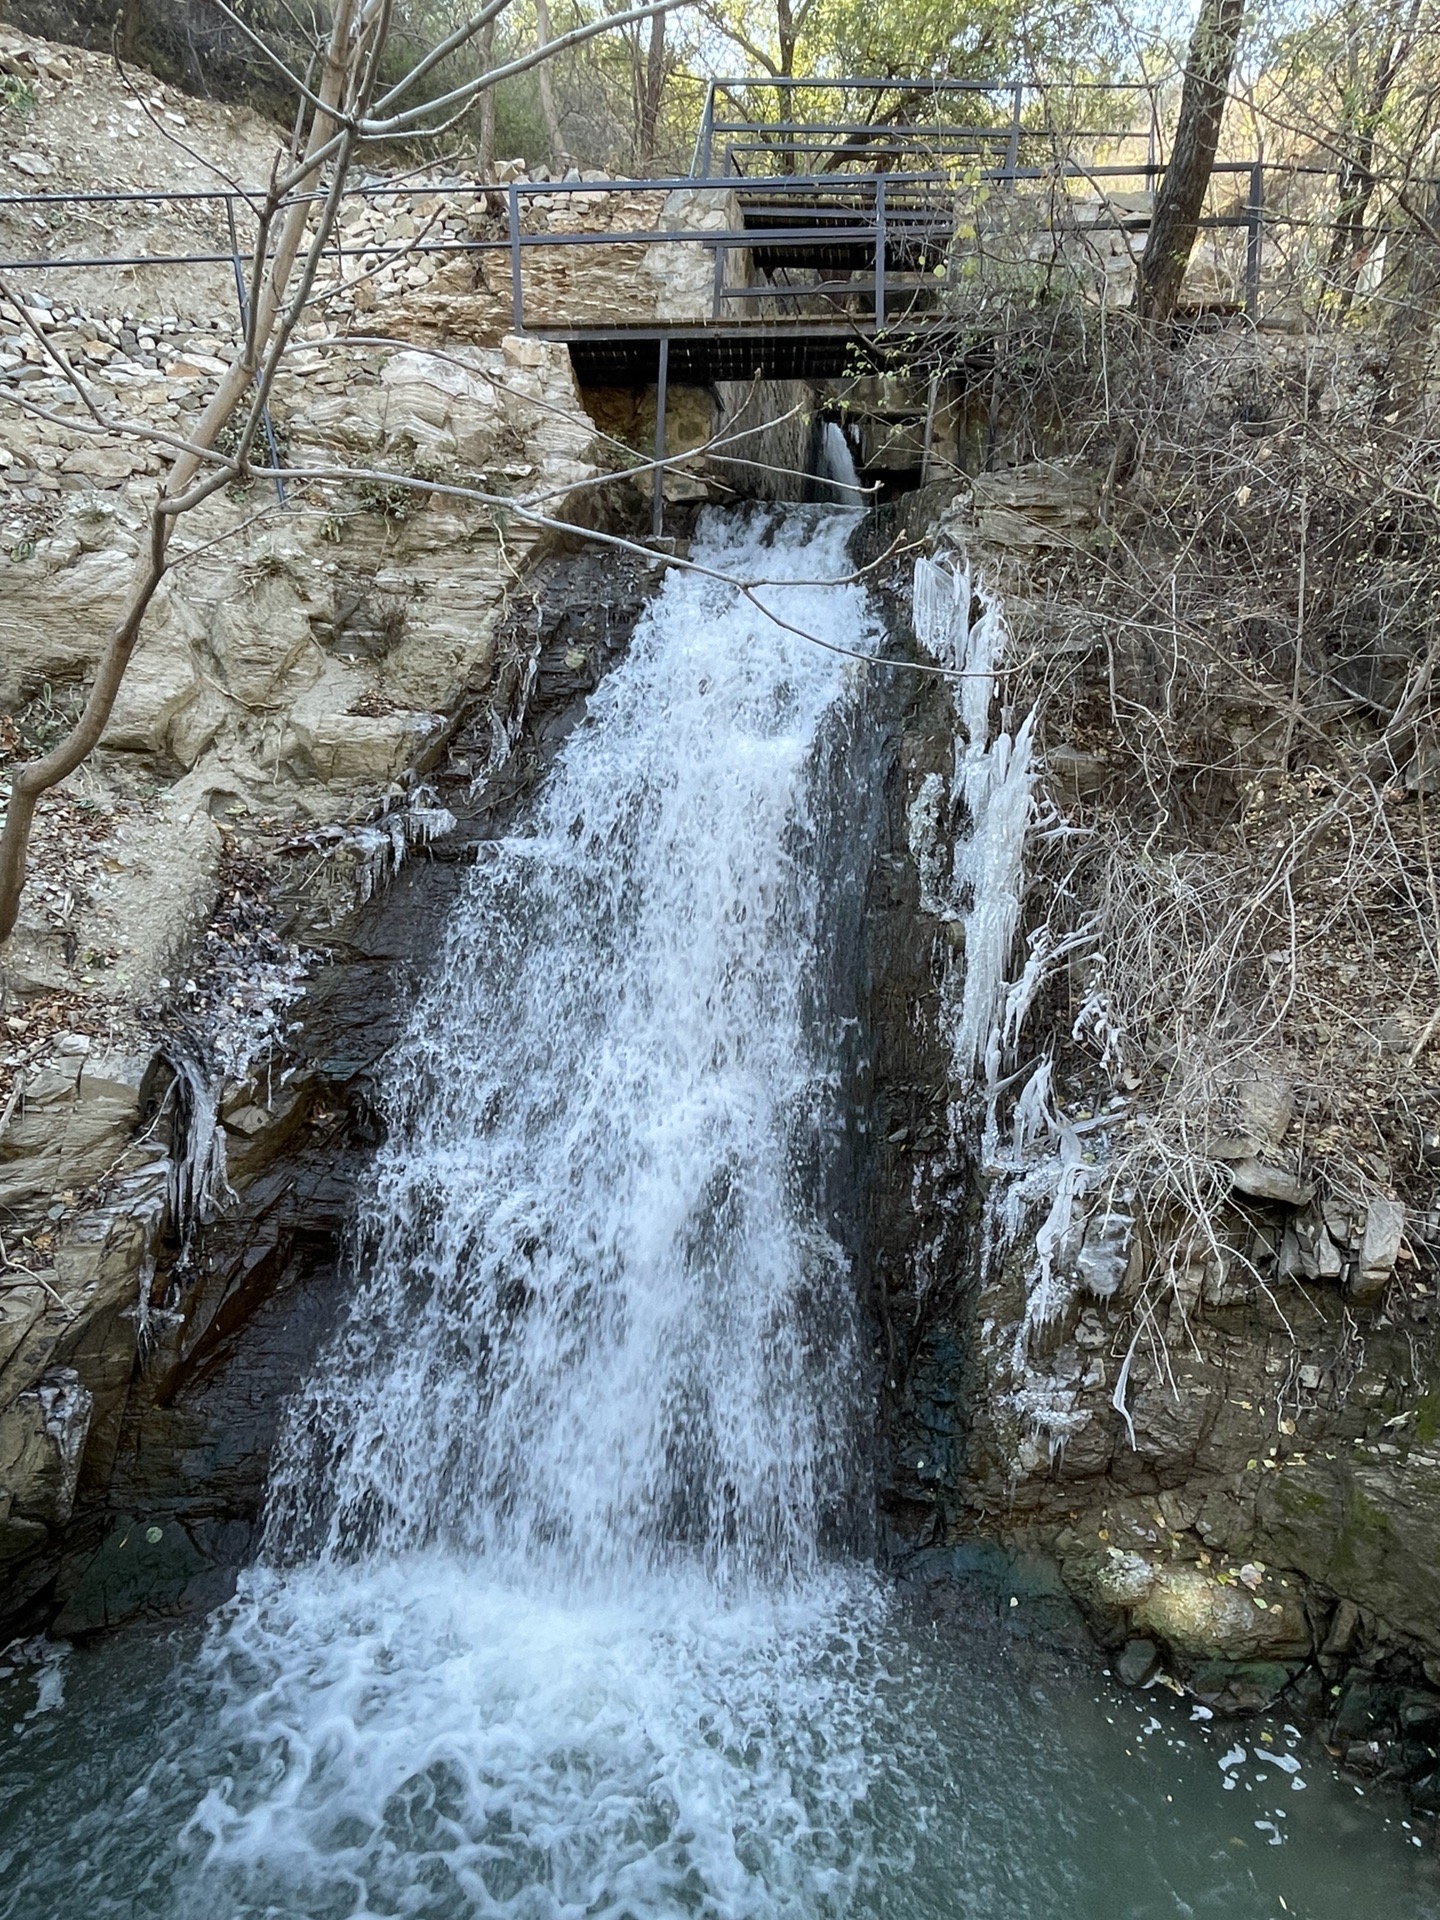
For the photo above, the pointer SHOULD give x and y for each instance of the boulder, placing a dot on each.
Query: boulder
(1197, 1615)
(1261, 1109)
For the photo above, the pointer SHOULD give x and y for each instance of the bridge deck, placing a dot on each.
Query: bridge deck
(770, 350)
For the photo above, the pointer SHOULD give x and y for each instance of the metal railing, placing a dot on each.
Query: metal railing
(839, 133)
(877, 214)
(887, 218)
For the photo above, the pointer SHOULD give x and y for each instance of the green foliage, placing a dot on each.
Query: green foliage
(16, 95)
(395, 501)
(955, 39)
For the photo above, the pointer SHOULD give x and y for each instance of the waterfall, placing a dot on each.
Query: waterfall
(564, 1612)
(837, 466)
(555, 1523)
(602, 1317)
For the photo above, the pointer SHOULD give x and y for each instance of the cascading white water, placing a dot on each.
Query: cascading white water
(553, 1510)
(601, 1318)
(837, 465)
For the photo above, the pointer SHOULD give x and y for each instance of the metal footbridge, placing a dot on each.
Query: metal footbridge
(844, 227)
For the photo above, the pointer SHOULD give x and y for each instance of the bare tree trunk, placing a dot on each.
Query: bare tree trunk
(1208, 68)
(270, 325)
(650, 95)
(559, 158)
(1413, 282)
(486, 156)
(1357, 178)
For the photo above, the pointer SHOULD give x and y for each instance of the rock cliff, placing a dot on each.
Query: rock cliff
(195, 989)
(1158, 1286)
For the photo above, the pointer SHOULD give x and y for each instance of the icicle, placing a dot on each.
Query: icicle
(199, 1183)
(992, 783)
(385, 845)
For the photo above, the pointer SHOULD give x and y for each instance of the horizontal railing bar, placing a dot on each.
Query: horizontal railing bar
(243, 195)
(800, 183)
(864, 126)
(858, 85)
(1006, 127)
(782, 184)
(395, 252)
(822, 326)
(741, 238)
(787, 184)
(834, 289)
(732, 237)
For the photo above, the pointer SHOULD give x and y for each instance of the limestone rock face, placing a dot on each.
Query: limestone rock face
(256, 654)
(1368, 1528)
(1044, 504)
(51, 630)
(301, 664)
(73, 1125)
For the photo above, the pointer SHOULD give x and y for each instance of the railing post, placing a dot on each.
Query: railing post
(880, 253)
(517, 302)
(662, 383)
(1012, 146)
(717, 305)
(704, 141)
(1254, 237)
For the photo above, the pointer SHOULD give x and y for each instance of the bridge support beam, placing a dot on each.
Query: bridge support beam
(662, 385)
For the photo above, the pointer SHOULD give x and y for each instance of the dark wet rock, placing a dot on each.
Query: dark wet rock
(1364, 1706)
(1364, 1756)
(1342, 1632)
(1305, 1698)
(1241, 1686)
(144, 1567)
(1419, 1712)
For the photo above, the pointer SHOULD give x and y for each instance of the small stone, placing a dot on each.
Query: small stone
(195, 366)
(1075, 772)
(1136, 1663)
(1344, 1629)
(1263, 1182)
